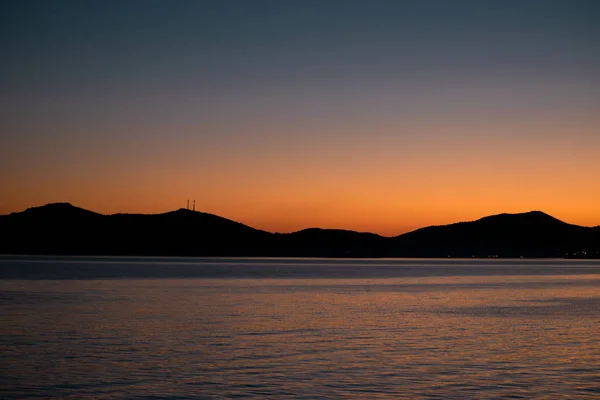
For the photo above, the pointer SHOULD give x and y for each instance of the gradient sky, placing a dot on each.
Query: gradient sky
(380, 116)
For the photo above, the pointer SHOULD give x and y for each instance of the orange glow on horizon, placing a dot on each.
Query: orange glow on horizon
(384, 117)
(337, 176)
(391, 214)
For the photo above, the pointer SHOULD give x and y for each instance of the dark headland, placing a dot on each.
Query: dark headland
(63, 229)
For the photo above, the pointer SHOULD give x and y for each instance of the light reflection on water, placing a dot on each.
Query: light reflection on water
(458, 336)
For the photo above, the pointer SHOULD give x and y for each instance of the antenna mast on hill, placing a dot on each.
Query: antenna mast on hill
(194, 209)
(188, 205)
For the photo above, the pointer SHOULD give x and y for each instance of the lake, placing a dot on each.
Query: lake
(186, 328)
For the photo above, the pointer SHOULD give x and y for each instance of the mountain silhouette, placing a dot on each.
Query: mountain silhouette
(317, 242)
(55, 212)
(531, 234)
(62, 228)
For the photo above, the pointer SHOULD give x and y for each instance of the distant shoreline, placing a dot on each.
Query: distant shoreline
(28, 255)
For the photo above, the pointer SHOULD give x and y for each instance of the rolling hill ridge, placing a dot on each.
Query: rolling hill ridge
(61, 228)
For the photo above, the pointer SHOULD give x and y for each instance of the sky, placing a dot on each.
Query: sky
(381, 116)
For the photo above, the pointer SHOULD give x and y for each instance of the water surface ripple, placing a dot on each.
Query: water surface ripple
(143, 328)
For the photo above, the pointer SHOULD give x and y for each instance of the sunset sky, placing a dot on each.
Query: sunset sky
(380, 116)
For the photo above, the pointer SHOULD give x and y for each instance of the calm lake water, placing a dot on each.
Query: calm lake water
(159, 328)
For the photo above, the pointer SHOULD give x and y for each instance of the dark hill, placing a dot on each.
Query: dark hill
(61, 228)
(531, 234)
(316, 242)
(185, 232)
(64, 212)
(48, 230)
(65, 229)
